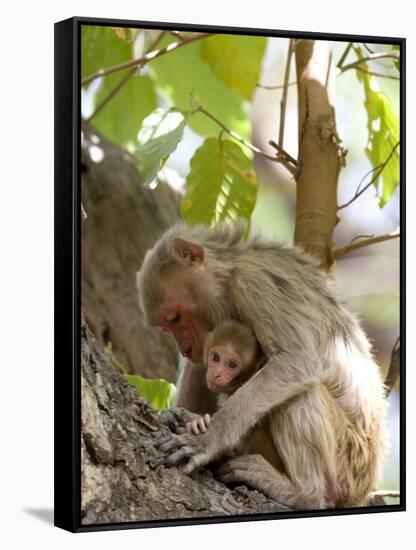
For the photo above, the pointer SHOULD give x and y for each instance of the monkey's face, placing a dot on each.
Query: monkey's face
(188, 327)
(224, 369)
(180, 296)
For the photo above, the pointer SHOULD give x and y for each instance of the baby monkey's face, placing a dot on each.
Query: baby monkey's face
(224, 366)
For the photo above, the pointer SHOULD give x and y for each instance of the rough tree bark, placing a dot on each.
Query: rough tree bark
(320, 153)
(124, 219)
(123, 477)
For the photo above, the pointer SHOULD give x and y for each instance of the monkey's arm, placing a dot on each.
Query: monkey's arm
(283, 377)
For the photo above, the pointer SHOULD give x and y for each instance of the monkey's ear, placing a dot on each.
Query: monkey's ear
(191, 253)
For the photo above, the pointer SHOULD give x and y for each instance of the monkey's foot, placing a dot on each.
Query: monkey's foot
(253, 470)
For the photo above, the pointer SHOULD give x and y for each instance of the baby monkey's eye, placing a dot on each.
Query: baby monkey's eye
(215, 357)
(232, 365)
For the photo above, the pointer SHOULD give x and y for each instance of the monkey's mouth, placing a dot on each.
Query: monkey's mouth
(215, 388)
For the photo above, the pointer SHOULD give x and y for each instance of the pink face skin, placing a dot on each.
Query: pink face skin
(224, 365)
(186, 327)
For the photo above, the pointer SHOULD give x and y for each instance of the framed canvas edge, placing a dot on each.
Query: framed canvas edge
(67, 286)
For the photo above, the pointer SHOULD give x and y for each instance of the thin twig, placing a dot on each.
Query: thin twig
(145, 59)
(372, 73)
(344, 55)
(278, 87)
(124, 80)
(377, 171)
(113, 92)
(284, 154)
(362, 237)
(367, 47)
(177, 35)
(283, 160)
(394, 368)
(382, 494)
(346, 249)
(371, 57)
(283, 101)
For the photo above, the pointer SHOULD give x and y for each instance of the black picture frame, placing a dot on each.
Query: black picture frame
(68, 276)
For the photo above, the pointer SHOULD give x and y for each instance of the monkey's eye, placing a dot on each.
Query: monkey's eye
(232, 365)
(215, 357)
(173, 317)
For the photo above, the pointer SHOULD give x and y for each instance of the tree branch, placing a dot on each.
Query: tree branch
(373, 73)
(284, 94)
(371, 57)
(344, 55)
(394, 368)
(124, 80)
(145, 59)
(278, 87)
(346, 249)
(379, 170)
(383, 494)
(283, 158)
(321, 154)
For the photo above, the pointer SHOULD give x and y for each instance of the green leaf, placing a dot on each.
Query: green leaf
(236, 60)
(183, 72)
(101, 48)
(120, 119)
(158, 137)
(160, 393)
(123, 115)
(221, 184)
(383, 135)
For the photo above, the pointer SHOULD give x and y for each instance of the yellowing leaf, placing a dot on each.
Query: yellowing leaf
(183, 73)
(236, 60)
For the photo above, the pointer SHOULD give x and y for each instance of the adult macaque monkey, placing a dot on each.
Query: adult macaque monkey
(320, 385)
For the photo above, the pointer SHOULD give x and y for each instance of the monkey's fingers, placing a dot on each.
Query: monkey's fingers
(168, 443)
(207, 419)
(201, 424)
(192, 427)
(179, 455)
(173, 441)
(194, 463)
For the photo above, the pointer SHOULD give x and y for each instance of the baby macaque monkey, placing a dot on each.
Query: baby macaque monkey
(232, 355)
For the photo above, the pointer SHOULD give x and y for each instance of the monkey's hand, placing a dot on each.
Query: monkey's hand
(190, 450)
(177, 418)
(198, 425)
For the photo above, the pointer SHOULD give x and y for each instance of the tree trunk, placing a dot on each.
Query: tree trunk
(124, 219)
(123, 477)
(320, 153)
